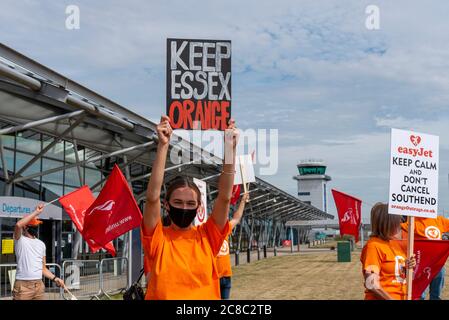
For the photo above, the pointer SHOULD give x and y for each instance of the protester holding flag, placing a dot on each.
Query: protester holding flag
(30, 255)
(224, 258)
(383, 257)
(183, 256)
(431, 229)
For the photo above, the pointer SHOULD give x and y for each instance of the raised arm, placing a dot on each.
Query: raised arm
(151, 215)
(237, 216)
(226, 180)
(25, 220)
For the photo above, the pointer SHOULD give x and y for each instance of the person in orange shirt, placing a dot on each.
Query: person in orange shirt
(224, 258)
(383, 257)
(182, 256)
(431, 229)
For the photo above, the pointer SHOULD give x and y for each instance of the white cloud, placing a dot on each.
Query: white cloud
(310, 69)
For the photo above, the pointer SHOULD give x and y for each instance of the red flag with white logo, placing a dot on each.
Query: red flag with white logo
(114, 212)
(75, 204)
(431, 255)
(349, 211)
(236, 189)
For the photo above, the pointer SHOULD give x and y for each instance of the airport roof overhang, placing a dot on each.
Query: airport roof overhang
(35, 97)
(331, 224)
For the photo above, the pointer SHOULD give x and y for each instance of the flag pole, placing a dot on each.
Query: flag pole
(361, 233)
(46, 204)
(410, 242)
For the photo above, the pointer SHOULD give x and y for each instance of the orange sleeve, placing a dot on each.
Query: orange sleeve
(404, 226)
(371, 259)
(443, 224)
(214, 235)
(150, 243)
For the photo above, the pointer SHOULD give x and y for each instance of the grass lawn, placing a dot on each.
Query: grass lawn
(311, 276)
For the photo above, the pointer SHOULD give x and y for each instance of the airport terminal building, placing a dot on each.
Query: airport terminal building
(57, 135)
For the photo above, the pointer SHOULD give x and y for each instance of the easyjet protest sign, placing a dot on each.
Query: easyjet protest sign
(199, 83)
(414, 174)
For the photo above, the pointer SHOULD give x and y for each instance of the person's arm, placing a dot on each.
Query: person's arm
(226, 180)
(237, 216)
(151, 215)
(25, 220)
(372, 283)
(47, 274)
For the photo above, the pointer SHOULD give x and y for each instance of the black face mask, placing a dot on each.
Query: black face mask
(32, 231)
(182, 217)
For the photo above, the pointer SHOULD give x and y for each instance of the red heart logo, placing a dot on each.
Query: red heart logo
(415, 140)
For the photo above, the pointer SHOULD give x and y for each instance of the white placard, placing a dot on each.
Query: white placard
(414, 174)
(249, 169)
(201, 216)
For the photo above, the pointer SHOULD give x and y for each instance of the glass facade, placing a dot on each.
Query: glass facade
(21, 148)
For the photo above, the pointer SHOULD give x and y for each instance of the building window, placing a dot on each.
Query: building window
(303, 193)
(308, 202)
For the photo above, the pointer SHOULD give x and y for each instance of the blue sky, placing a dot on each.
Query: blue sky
(308, 68)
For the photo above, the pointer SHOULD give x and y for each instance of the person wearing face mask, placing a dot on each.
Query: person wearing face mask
(181, 256)
(30, 256)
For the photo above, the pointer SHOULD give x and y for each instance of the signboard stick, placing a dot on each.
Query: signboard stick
(243, 174)
(410, 242)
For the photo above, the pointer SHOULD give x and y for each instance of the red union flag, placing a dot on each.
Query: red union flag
(349, 213)
(431, 255)
(236, 189)
(114, 212)
(75, 204)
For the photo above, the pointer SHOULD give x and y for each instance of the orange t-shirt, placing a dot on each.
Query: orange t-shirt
(386, 258)
(224, 259)
(429, 228)
(183, 262)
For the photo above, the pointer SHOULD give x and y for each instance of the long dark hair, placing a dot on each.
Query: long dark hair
(182, 182)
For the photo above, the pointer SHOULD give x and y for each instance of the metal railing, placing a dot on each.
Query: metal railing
(86, 279)
(8, 278)
(113, 276)
(82, 278)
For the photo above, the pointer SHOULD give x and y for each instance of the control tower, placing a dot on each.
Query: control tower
(312, 183)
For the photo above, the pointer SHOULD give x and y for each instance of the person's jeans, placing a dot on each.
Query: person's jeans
(225, 287)
(435, 287)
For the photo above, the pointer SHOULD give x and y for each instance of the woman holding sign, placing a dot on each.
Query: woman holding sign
(383, 258)
(182, 256)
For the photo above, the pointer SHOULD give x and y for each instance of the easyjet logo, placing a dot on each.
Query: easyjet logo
(224, 250)
(432, 233)
(416, 140)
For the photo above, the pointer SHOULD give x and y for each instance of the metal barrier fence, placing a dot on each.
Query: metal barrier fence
(82, 278)
(8, 278)
(113, 276)
(86, 279)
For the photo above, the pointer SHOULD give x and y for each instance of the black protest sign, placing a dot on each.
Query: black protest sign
(199, 83)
